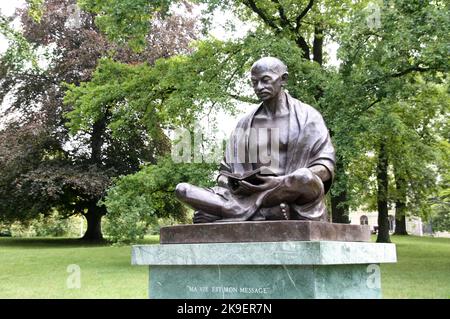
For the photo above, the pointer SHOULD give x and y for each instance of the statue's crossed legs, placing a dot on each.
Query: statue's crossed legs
(272, 197)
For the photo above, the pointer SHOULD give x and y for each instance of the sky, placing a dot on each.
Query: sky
(7, 7)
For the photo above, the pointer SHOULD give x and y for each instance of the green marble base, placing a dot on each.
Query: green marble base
(273, 282)
(287, 270)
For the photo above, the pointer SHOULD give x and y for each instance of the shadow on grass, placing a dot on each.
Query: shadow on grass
(40, 242)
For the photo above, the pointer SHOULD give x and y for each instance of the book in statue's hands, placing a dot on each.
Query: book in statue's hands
(249, 176)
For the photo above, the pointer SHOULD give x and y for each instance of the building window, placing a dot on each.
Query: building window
(363, 220)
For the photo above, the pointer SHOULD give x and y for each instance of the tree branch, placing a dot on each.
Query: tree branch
(303, 14)
(283, 18)
(244, 99)
(386, 77)
(409, 70)
(371, 104)
(252, 5)
(301, 42)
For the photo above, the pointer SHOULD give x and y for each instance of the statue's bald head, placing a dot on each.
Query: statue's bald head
(270, 64)
(269, 76)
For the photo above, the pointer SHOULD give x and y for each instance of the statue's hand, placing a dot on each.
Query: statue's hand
(268, 182)
(240, 189)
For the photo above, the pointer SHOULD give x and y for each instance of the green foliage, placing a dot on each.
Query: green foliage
(51, 225)
(137, 201)
(35, 9)
(125, 20)
(120, 90)
(391, 85)
(43, 167)
(441, 220)
(413, 128)
(19, 53)
(179, 90)
(375, 94)
(440, 204)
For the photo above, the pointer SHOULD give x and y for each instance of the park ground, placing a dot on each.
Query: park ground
(38, 268)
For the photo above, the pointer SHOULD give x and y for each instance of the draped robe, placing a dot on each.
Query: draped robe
(309, 144)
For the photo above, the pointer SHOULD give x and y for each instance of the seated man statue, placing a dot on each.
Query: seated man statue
(278, 164)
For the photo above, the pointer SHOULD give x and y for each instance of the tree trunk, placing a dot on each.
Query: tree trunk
(382, 200)
(339, 207)
(97, 140)
(302, 44)
(400, 222)
(95, 213)
(94, 224)
(400, 204)
(318, 45)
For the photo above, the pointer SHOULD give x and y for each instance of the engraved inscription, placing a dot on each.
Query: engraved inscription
(228, 290)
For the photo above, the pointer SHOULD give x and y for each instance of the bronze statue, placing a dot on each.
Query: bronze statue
(279, 162)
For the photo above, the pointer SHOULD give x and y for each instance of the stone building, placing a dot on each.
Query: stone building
(414, 225)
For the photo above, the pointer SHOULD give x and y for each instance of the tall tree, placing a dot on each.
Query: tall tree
(71, 172)
(383, 63)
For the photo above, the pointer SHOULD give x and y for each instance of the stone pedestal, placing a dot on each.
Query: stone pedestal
(280, 230)
(285, 268)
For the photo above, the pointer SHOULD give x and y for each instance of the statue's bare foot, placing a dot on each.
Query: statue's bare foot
(201, 217)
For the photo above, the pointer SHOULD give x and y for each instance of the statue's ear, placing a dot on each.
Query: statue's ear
(284, 78)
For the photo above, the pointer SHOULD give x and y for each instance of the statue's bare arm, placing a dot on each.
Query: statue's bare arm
(321, 171)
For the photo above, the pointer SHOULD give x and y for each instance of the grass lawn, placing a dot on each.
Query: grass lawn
(37, 268)
(422, 270)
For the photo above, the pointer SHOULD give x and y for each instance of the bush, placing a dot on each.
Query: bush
(138, 203)
(441, 222)
(47, 226)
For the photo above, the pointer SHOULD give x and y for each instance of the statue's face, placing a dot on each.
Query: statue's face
(267, 83)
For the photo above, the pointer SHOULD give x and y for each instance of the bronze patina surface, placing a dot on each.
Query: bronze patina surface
(264, 231)
(279, 162)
